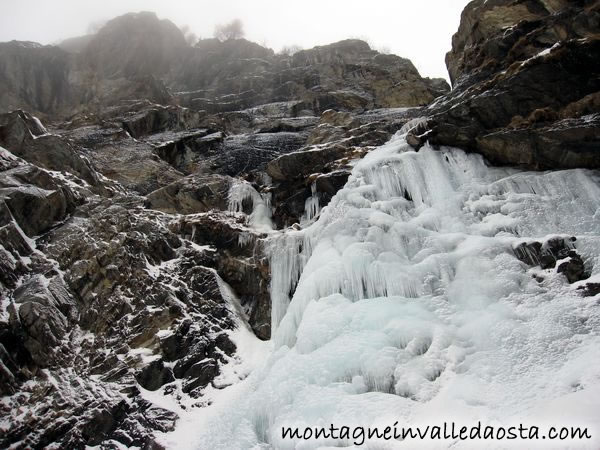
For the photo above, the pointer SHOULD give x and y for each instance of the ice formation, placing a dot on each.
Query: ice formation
(409, 306)
(311, 206)
(241, 192)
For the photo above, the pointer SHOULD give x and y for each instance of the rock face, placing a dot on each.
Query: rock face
(320, 168)
(525, 84)
(133, 45)
(134, 229)
(28, 139)
(129, 304)
(34, 77)
(138, 56)
(345, 75)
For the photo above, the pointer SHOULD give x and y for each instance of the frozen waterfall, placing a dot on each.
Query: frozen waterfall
(409, 306)
(241, 192)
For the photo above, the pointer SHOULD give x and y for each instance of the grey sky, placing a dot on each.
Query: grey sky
(420, 30)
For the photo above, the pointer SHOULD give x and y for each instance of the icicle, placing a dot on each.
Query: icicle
(311, 206)
(244, 239)
(412, 124)
(288, 253)
(260, 218)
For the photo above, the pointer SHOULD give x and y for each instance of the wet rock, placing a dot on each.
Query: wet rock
(157, 118)
(590, 289)
(192, 194)
(529, 253)
(574, 268)
(545, 254)
(330, 183)
(244, 153)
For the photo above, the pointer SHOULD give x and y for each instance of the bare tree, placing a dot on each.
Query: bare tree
(289, 50)
(229, 31)
(190, 37)
(94, 27)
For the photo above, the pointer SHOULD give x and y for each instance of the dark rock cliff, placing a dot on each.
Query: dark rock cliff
(526, 82)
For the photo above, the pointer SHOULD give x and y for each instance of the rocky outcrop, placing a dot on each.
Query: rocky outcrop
(346, 75)
(51, 83)
(131, 303)
(135, 44)
(32, 198)
(149, 118)
(555, 250)
(139, 56)
(525, 78)
(99, 297)
(319, 169)
(242, 261)
(25, 136)
(34, 77)
(192, 194)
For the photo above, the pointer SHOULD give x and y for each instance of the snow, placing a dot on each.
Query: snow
(409, 306)
(542, 53)
(232, 383)
(146, 355)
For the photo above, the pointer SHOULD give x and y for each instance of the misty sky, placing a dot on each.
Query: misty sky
(420, 30)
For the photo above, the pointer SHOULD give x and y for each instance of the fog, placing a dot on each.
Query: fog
(420, 30)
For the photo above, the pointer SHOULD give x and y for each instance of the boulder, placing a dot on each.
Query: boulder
(545, 254)
(574, 268)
